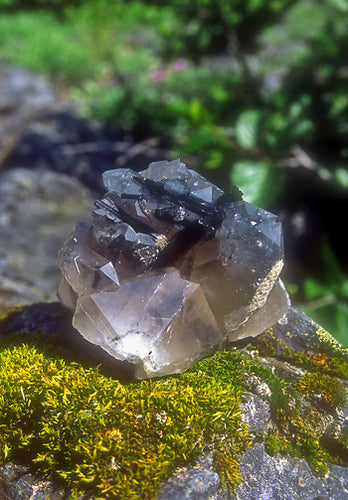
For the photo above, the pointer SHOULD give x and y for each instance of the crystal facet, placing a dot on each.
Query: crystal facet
(168, 272)
(159, 322)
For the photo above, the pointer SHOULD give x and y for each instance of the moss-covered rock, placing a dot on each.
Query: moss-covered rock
(74, 418)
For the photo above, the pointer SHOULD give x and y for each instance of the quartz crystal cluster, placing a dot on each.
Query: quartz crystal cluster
(171, 269)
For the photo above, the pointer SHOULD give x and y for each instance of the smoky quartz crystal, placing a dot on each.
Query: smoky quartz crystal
(170, 269)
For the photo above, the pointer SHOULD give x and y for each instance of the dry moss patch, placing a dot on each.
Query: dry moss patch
(116, 440)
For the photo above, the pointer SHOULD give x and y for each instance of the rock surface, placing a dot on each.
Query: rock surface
(33, 205)
(24, 96)
(287, 478)
(18, 483)
(193, 483)
(291, 349)
(264, 478)
(268, 473)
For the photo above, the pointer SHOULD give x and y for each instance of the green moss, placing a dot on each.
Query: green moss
(300, 428)
(331, 364)
(283, 398)
(323, 390)
(119, 440)
(275, 444)
(310, 448)
(329, 343)
(116, 439)
(332, 359)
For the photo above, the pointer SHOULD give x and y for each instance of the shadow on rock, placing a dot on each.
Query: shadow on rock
(48, 325)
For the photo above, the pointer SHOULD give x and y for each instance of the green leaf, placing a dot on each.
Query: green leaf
(313, 289)
(341, 5)
(333, 317)
(252, 179)
(246, 128)
(214, 160)
(333, 272)
(341, 176)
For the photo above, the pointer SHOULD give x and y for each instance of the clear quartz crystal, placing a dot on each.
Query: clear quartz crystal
(121, 181)
(158, 322)
(175, 170)
(85, 270)
(166, 274)
(246, 266)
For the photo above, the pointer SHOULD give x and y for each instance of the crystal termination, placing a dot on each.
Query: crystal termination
(169, 271)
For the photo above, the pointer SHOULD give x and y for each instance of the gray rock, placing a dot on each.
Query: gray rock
(298, 332)
(17, 483)
(199, 482)
(23, 96)
(256, 413)
(278, 478)
(37, 212)
(338, 482)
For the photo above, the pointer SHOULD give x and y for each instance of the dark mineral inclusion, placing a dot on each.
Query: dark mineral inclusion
(169, 271)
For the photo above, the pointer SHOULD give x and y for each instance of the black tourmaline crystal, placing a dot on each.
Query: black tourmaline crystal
(168, 270)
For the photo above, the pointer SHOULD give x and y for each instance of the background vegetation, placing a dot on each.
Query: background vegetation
(251, 92)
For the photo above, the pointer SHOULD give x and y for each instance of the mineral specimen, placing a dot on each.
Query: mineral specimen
(169, 270)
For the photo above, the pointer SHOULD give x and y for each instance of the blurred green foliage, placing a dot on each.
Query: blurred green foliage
(327, 300)
(237, 87)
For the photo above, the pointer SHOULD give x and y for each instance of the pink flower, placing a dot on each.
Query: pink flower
(158, 75)
(179, 64)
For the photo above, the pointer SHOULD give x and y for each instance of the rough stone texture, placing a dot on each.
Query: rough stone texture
(256, 412)
(40, 129)
(277, 478)
(297, 332)
(265, 477)
(18, 483)
(23, 97)
(37, 211)
(199, 482)
(338, 482)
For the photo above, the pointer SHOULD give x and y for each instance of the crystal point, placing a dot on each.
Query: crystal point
(155, 322)
(167, 272)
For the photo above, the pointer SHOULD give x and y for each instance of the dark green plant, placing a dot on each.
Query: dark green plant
(326, 297)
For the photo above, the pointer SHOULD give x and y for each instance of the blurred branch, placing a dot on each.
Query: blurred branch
(94, 147)
(148, 146)
(128, 150)
(323, 301)
(302, 159)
